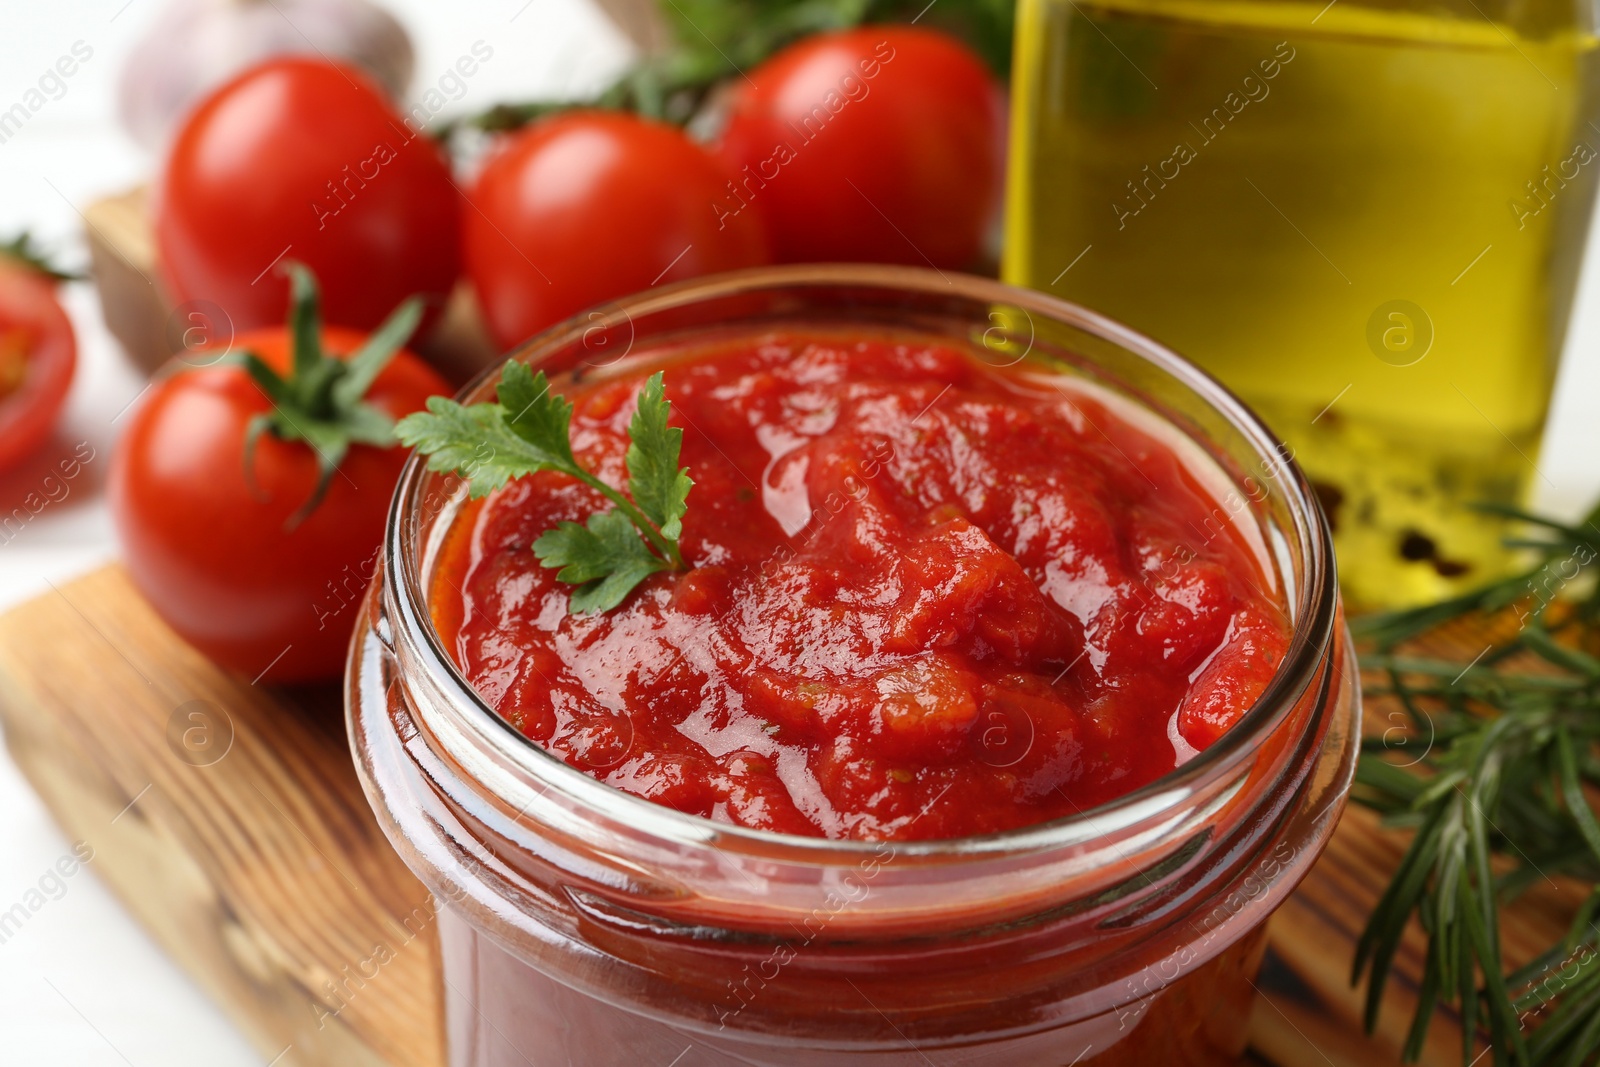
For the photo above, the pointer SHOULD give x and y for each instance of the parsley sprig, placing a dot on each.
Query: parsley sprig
(1496, 779)
(528, 429)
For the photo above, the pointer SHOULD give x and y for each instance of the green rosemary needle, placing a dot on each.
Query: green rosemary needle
(1491, 777)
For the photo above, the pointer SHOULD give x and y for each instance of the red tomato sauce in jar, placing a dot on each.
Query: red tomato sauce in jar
(928, 597)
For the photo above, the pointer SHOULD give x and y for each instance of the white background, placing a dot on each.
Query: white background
(81, 984)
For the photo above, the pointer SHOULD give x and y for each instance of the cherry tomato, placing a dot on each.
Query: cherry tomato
(879, 144)
(588, 206)
(222, 558)
(38, 354)
(303, 159)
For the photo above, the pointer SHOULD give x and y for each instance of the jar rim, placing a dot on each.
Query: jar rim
(1314, 588)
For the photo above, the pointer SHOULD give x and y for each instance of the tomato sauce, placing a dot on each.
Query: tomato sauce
(928, 597)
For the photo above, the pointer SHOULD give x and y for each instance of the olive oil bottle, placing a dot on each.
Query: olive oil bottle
(1365, 217)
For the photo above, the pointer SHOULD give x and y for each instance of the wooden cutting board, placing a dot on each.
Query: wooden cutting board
(229, 820)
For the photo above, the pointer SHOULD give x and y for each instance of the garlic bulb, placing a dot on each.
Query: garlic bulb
(196, 45)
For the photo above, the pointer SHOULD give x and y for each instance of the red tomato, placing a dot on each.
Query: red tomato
(877, 144)
(302, 159)
(589, 206)
(38, 354)
(219, 557)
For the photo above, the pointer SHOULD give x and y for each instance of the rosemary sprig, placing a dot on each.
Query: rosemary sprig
(1538, 583)
(1491, 776)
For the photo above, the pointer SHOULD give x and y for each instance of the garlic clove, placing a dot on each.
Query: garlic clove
(196, 45)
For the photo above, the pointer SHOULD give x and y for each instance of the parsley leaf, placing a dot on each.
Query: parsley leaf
(658, 484)
(475, 442)
(534, 413)
(528, 429)
(604, 558)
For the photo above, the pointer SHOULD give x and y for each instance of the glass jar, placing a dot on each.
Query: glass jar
(1366, 217)
(583, 925)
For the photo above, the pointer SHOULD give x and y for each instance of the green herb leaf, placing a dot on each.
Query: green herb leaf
(527, 430)
(659, 486)
(605, 558)
(535, 414)
(1508, 747)
(474, 442)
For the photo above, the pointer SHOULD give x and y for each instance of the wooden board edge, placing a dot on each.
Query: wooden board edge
(289, 1006)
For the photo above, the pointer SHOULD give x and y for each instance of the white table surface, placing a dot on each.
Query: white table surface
(81, 983)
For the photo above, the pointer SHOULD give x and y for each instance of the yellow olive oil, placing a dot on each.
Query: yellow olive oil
(1366, 219)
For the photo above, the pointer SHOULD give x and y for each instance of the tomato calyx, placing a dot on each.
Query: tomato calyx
(24, 250)
(322, 400)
